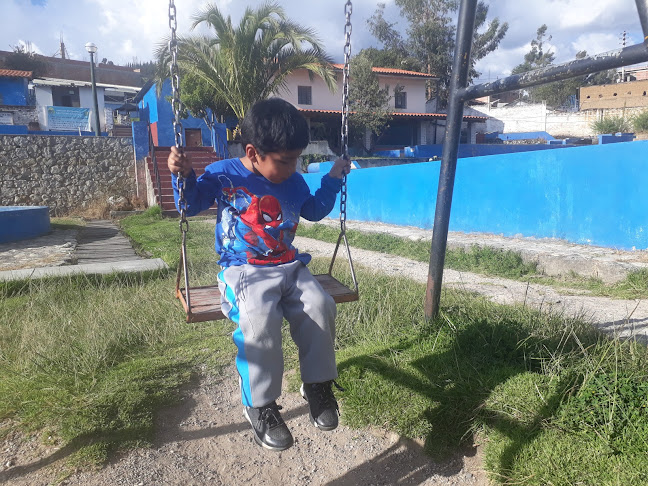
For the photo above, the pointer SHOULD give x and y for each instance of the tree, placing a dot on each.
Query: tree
(430, 40)
(537, 57)
(23, 58)
(558, 93)
(248, 62)
(202, 100)
(369, 103)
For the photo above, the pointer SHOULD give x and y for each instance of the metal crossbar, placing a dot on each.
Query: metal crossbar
(460, 92)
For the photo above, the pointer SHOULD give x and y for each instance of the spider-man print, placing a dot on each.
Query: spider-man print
(258, 223)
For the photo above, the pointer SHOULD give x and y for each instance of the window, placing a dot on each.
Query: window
(65, 96)
(304, 95)
(400, 99)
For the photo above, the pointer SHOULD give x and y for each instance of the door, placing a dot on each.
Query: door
(193, 137)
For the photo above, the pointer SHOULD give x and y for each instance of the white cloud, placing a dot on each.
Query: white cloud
(125, 29)
(596, 43)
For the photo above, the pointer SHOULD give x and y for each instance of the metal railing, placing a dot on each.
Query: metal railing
(156, 170)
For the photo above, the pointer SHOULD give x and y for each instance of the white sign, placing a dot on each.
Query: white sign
(6, 118)
(68, 118)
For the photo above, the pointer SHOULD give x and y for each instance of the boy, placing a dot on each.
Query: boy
(260, 198)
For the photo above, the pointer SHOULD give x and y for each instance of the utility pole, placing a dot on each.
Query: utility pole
(623, 43)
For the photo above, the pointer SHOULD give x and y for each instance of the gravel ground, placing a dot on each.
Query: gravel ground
(206, 441)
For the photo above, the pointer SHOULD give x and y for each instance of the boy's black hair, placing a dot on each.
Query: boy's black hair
(274, 125)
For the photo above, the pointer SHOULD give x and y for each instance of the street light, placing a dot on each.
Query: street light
(92, 49)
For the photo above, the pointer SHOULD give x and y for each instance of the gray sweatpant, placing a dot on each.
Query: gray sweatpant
(257, 299)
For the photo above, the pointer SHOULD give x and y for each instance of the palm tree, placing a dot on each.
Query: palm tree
(249, 62)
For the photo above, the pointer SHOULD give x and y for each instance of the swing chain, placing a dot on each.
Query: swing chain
(348, 9)
(176, 107)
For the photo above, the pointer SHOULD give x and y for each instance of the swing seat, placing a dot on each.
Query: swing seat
(206, 303)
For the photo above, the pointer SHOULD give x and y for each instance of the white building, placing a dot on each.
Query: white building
(412, 122)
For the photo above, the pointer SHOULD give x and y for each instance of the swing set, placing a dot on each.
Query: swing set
(207, 300)
(203, 303)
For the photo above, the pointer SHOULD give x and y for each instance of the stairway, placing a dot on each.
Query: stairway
(200, 157)
(122, 131)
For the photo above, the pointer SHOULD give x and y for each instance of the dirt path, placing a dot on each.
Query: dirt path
(206, 441)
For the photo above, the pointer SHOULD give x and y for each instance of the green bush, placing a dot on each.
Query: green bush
(308, 159)
(640, 122)
(611, 124)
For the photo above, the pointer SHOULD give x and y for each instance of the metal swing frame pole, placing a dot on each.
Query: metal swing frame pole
(460, 93)
(458, 80)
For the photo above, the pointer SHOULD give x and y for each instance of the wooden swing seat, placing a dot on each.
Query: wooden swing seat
(206, 303)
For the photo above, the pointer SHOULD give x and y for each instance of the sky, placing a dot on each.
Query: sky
(128, 30)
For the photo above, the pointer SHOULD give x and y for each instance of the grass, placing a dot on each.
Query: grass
(89, 361)
(611, 124)
(483, 260)
(489, 261)
(67, 223)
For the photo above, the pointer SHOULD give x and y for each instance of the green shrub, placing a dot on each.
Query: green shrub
(640, 122)
(308, 159)
(611, 124)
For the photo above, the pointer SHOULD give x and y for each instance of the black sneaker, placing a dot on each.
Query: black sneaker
(270, 431)
(324, 408)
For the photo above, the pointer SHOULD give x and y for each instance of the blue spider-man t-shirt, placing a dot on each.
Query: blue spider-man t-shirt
(257, 219)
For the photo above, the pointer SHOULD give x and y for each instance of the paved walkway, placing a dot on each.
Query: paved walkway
(100, 248)
(554, 257)
(97, 248)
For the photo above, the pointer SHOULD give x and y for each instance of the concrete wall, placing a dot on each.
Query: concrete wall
(64, 173)
(588, 195)
(619, 95)
(532, 118)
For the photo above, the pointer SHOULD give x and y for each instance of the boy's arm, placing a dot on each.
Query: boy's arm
(321, 204)
(199, 193)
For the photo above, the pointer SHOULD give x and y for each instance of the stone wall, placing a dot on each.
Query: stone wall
(63, 172)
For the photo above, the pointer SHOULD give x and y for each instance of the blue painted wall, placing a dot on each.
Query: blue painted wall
(158, 110)
(13, 129)
(23, 222)
(475, 150)
(23, 130)
(587, 195)
(616, 138)
(140, 139)
(13, 91)
(525, 136)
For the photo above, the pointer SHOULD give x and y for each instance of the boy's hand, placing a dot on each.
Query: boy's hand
(179, 163)
(341, 166)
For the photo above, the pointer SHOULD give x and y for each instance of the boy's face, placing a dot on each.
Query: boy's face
(277, 166)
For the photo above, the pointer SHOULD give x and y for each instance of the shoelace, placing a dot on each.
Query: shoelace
(325, 395)
(270, 415)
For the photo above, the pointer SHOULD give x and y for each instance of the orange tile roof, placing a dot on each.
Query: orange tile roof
(13, 73)
(383, 70)
(440, 116)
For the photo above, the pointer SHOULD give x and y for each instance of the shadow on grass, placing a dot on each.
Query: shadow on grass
(13, 288)
(453, 383)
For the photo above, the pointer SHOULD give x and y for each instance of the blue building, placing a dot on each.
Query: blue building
(14, 100)
(156, 112)
(14, 87)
